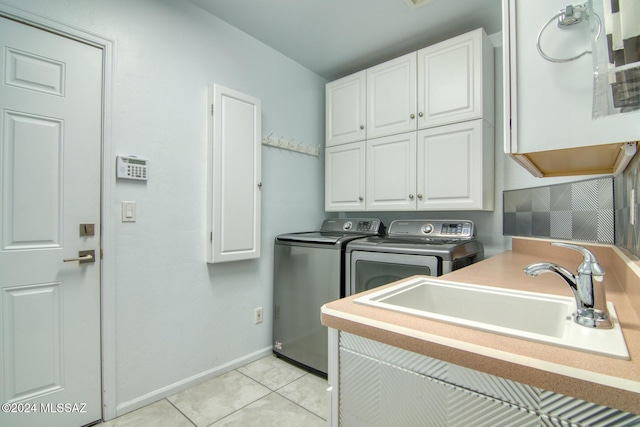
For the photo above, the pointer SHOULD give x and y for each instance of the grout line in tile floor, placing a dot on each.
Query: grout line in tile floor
(290, 400)
(266, 392)
(178, 409)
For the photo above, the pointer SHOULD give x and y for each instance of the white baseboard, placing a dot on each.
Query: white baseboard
(154, 396)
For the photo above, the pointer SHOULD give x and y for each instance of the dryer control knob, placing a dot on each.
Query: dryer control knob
(427, 228)
(347, 225)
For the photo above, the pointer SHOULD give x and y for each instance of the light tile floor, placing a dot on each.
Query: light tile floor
(267, 392)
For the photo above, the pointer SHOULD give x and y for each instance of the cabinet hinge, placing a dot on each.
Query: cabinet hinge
(211, 236)
(212, 109)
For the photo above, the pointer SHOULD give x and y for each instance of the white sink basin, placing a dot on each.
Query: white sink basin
(528, 315)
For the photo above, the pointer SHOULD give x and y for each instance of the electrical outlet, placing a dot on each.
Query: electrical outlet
(258, 315)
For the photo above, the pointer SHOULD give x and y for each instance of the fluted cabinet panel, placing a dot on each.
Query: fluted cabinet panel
(360, 390)
(467, 408)
(415, 362)
(381, 385)
(508, 391)
(361, 345)
(579, 412)
(410, 399)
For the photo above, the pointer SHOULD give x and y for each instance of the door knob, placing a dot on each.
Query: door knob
(84, 257)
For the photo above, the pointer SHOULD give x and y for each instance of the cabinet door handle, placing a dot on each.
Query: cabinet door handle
(420, 114)
(420, 196)
(361, 127)
(413, 116)
(361, 198)
(411, 196)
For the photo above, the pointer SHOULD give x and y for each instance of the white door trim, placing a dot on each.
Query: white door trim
(108, 184)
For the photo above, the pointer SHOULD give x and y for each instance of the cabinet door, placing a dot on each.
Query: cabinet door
(551, 103)
(345, 177)
(452, 76)
(391, 97)
(455, 167)
(345, 109)
(391, 172)
(234, 176)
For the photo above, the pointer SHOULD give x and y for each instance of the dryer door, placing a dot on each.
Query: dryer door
(368, 270)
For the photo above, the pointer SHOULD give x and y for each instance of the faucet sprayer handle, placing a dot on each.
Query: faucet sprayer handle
(589, 263)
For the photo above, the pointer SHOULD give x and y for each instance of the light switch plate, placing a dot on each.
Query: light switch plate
(128, 211)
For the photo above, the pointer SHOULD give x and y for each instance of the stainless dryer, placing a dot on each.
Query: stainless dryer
(411, 247)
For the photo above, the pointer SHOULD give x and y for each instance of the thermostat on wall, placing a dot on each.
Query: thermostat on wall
(131, 167)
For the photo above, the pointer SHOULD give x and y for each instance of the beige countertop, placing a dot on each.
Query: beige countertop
(600, 379)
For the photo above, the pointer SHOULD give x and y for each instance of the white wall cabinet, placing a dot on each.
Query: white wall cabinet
(455, 80)
(445, 84)
(234, 176)
(548, 104)
(391, 97)
(443, 168)
(449, 82)
(345, 109)
(391, 173)
(456, 167)
(345, 177)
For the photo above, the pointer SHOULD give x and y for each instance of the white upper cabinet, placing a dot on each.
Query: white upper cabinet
(455, 80)
(429, 137)
(391, 173)
(550, 104)
(345, 177)
(391, 97)
(455, 166)
(345, 109)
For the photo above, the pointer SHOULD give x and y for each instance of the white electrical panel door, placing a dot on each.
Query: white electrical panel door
(234, 178)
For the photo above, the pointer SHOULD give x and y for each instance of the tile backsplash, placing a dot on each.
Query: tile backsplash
(582, 210)
(628, 233)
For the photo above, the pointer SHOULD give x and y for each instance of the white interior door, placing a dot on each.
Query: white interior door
(50, 157)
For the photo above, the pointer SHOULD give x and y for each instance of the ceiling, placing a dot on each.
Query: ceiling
(334, 38)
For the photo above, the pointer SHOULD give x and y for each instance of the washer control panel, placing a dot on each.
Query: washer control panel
(433, 228)
(352, 225)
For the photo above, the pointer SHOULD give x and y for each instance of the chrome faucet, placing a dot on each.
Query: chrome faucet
(587, 287)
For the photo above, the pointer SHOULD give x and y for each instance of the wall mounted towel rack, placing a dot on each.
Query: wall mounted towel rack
(291, 145)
